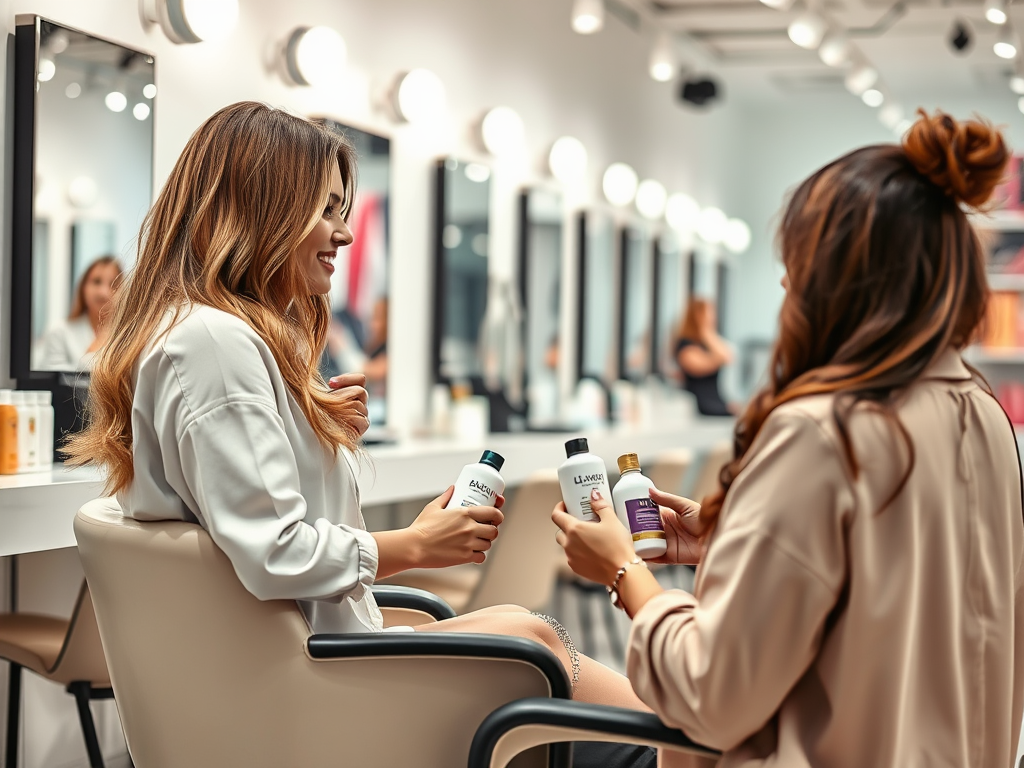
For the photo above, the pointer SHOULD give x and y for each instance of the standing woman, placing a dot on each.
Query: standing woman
(701, 354)
(860, 594)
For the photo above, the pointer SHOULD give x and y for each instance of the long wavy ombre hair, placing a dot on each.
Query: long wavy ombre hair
(249, 186)
(885, 274)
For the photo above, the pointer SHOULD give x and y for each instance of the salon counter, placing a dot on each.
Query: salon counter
(36, 510)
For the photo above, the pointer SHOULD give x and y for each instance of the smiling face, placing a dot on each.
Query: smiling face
(317, 251)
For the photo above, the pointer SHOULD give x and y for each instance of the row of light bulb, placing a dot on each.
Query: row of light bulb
(1006, 46)
(115, 100)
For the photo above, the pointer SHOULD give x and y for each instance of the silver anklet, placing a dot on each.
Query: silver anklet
(570, 647)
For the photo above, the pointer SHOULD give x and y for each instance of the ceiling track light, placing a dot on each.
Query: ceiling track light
(835, 49)
(807, 30)
(873, 97)
(662, 66)
(859, 79)
(587, 16)
(315, 55)
(1006, 46)
(995, 11)
(192, 21)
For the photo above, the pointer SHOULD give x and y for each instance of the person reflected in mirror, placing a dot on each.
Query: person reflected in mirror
(701, 354)
(73, 344)
(376, 366)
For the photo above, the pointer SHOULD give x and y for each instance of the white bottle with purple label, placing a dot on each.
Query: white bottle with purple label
(633, 505)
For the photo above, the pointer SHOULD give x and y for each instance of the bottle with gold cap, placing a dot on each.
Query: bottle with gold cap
(632, 499)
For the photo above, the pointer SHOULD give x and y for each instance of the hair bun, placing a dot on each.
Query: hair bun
(966, 160)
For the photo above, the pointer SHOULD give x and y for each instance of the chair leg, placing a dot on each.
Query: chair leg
(81, 691)
(13, 714)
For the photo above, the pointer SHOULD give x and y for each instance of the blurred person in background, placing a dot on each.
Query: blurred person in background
(701, 354)
(72, 345)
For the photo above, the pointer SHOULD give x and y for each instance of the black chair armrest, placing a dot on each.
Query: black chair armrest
(388, 596)
(443, 644)
(587, 719)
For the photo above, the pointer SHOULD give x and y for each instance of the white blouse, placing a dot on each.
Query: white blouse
(66, 347)
(219, 440)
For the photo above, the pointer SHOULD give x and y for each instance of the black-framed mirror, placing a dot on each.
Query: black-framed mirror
(541, 223)
(462, 248)
(596, 356)
(636, 302)
(671, 267)
(358, 338)
(83, 183)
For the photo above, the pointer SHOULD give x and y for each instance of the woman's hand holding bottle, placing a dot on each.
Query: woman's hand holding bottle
(455, 536)
(683, 529)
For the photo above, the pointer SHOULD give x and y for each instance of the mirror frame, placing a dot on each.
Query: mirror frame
(649, 252)
(686, 277)
(26, 63)
(581, 283)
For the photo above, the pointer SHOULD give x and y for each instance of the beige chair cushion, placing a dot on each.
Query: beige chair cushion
(32, 640)
(453, 585)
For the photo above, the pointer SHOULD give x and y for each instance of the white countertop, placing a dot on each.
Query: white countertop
(37, 509)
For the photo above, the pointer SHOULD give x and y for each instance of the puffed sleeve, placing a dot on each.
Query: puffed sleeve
(241, 476)
(718, 664)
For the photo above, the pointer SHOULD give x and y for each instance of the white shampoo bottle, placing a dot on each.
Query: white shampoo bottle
(28, 431)
(44, 401)
(480, 484)
(580, 474)
(633, 505)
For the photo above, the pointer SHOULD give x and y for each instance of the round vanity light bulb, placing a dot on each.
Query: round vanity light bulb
(1006, 46)
(619, 184)
(315, 56)
(651, 198)
(82, 192)
(73, 91)
(149, 91)
(503, 132)
(807, 30)
(835, 50)
(587, 16)
(890, 115)
(873, 97)
(568, 160)
(58, 42)
(141, 111)
(711, 225)
(47, 69)
(116, 101)
(204, 19)
(736, 236)
(682, 212)
(995, 11)
(1017, 84)
(420, 96)
(662, 65)
(861, 78)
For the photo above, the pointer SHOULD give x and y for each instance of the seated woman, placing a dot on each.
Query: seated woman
(206, 403)
(860, 594)
(72, 345)
(701, 354)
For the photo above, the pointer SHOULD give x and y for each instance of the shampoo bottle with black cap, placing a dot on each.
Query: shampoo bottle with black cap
(479, 484)
(581, 473)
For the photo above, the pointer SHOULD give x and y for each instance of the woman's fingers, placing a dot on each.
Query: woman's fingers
(347, 380)
(491, 515)
(678, 504)
(561, 538)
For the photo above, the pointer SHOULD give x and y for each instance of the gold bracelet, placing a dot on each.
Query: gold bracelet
(613, 590)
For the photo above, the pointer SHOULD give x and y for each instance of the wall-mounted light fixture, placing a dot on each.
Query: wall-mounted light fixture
(419, 96)
(141, 111)
(682, 213)
(568, 160)
(662, 66)
(502, 132)
(711, 225)
(587, 16)
(736, 236)
(116, 101)
(995, 11)
(651, 198)
(192, 21)
(1006, 46)
(619, 184)
(315, 55)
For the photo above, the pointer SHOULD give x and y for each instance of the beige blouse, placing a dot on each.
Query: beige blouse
(827, 631)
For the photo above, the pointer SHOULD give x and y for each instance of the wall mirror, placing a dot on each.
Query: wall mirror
(596, 351)
(83, 180)
(636, 299)
(670, 271)
(540, 283)
(358, 337)
(461, 269)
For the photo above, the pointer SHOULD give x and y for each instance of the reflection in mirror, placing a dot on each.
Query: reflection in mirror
(461, 288)
(358, 338)
(670, 300)
(540, 272)
(636, 299)
(596, 342)
(93, 183)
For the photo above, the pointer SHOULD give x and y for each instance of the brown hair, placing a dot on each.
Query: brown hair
(885, 273)
(78, 307)
(249, 186)
(690, 328)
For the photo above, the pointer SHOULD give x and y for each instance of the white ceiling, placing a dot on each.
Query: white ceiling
(745, 43)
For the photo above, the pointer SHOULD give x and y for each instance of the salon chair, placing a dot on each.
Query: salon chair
(521, 567)
(65, 651)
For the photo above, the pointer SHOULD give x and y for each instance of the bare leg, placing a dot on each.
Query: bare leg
(597, 684)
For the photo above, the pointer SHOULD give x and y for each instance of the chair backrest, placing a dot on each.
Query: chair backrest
(522, 566)
(668, 470)
(206, 674)
(81, 657)
(707, 481)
